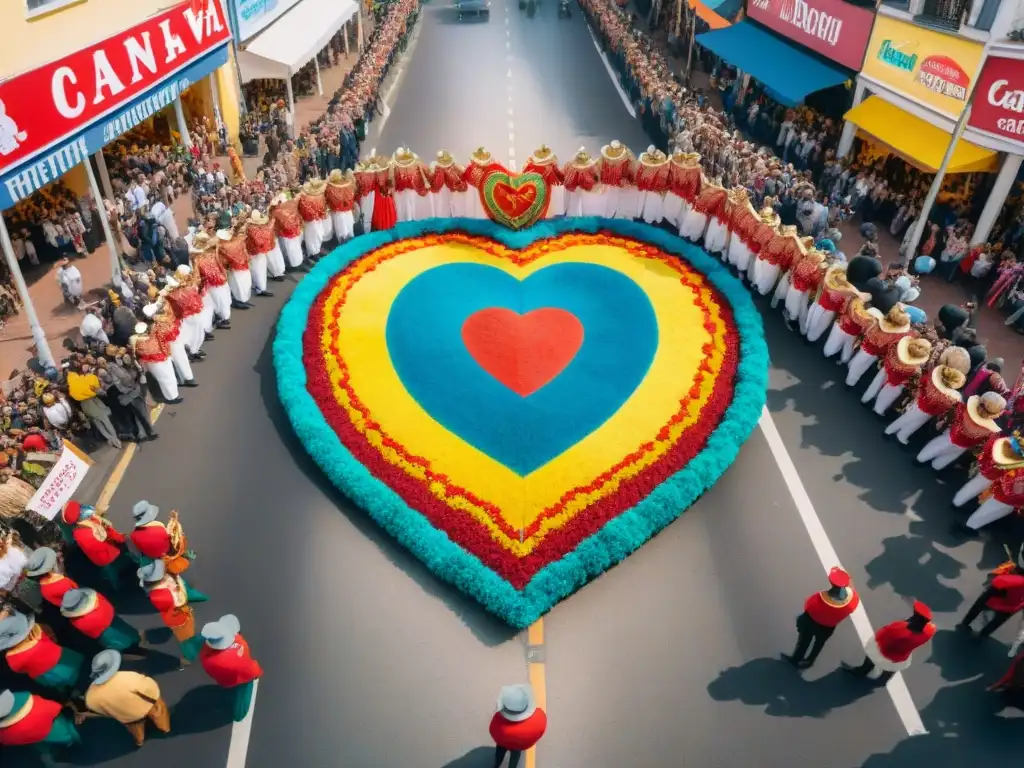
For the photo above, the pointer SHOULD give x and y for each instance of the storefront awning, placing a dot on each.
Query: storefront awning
(789, 71)
(718, 14)
(283, 48)
(916, 140)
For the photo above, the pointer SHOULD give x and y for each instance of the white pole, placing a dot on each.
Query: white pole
(996, 198)
(101, 163)
(359, 28)
(112, 246)
(179, 115)
(215, 94)
(38, 335)
(319, 80)
(291, 105)
(345, 35)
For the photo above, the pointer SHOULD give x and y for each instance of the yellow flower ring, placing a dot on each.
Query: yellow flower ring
(652, 372)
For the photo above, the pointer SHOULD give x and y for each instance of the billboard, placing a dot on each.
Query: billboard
(833, 28)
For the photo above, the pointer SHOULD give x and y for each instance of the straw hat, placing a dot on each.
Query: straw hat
(444, 158)
(1007, 452)
(543, 154)
(140, 328)
(582, 157)
(78, 602)
(896, 320)
(336, 177)
(404, 157)
(481, 156)
(956, 358)
(912, 351)
(985, 409)
(313, 187)
(201, 239)
(613, 151)
(258, 218)
(948, 380)
(279, 198)
(224, 235)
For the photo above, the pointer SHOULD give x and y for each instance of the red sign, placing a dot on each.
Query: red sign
(999, 101)
(943, 75)
(832, 28)
(42, 106)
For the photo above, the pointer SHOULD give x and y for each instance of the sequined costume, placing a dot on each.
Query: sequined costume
(288, 228)
(413, 200)
(544, 163)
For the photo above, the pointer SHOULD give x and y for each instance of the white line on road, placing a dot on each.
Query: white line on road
(897, 686)
(238, 750)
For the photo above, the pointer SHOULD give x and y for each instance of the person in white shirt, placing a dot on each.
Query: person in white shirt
(92, 329)
(165, 218)
(50, 233)
(70, 280)
(56, 410)
(13, 559)
(30, 248)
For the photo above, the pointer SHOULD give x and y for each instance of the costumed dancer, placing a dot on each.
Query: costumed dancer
(185, 300)
(214, 278)
(284, 212)
(652, 184)
(710, 199)
(1004, 497)
(31, 651)
(716, 237)
(972, 424)
(171, 596)
(448, 187)
(413, 200)
(615, 172)
(836, 290)
(101, 543)
(856, 318)
(679, 184)
(313, 210)
(481, 164)
(227, 659)
(265, 257)
(743, 228)
(155, 541)
(884, 333)
(130, 698)
(341, 199)
(93, 615)
(891, 649)
(167, 329)
(42, 566)
(235, 258)
(582, 186)
(936, 394)
(366, 184)
(765, 232)
(30, 720)
(999, 454)
(804, 280)
(823, 612)
(903, 361)
(1002, 599)
(780, 255)
(156, 359)
(544, 162)
(385, 214)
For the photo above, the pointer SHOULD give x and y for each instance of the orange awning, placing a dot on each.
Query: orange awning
(713, 19)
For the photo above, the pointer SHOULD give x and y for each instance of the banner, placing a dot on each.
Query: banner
(833, 28)
(41, 107)
(253, 16)
(928, 67)
(62, 482)
(998, 106)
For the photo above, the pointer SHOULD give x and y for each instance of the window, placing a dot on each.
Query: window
(43, 7)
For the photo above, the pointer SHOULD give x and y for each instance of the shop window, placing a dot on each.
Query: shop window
(42, 7)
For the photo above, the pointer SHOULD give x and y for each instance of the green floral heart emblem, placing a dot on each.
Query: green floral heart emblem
(516, 201)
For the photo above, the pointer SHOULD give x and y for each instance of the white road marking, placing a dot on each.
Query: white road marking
(897, 686)
(238, 750)
(611, 73)
(399, 73)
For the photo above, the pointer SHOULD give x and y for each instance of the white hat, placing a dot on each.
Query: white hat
(516, 703)
(184, 270)
(150, 310)
(140, 328)
(170, 282)
(224, 234)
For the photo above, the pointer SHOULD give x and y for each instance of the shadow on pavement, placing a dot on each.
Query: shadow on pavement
(775, 685)
(485, 627)
(479, 757)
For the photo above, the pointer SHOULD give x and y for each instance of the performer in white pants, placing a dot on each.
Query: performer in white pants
(998, 456)
(235, 258)
(182, 294)
(770, 241)
(836, 290)
(366, 187)
(856, 318)
(341, 201)
(156, 359)
(973, 423)
(711, 201)
(878, 337)
(288, 228)
(615, 172)
(936, 394)
(313, 210)
(805, 277)
(261, 245)
(716, 236)
(1007, 497)
(743, 225)
(167, 328)
(902, 362)
(543, 162)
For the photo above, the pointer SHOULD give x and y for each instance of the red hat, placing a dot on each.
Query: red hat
(72, 511)
(837, 577)
(922, 610)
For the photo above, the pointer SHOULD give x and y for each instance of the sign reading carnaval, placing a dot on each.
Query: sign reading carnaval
(998, 107)
(46, 105)
(927, 66)
(253, 16)
(62, 482)
(832, 28)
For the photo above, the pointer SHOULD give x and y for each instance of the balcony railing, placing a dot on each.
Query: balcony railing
(945, 14)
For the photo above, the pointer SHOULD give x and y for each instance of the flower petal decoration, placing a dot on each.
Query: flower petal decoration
(608, 377)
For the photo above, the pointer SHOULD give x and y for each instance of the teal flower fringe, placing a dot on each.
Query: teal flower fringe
(619, 537)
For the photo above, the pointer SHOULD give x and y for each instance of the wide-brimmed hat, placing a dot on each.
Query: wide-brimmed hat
(582, 157)
(105, 665)
(542, 154)
(41, 561)
(985, 409)
(74, 511)
(279, 198)
(220, 634)
(78, 602)
(614, 150)
(170, 283)
(150, 310)
(516, 702)
(152, 572)
(224, 234)
(14, 628)
(480, 155)
(140, 328)
(896, 320)
(143, 512)
(7, 702)
(913, 351)
(258, 218)
(444, 158)
(956, 357)
(336, 177)
(1008, 452)
(404, 156)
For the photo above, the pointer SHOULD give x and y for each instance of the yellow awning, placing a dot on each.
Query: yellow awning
(917, 141)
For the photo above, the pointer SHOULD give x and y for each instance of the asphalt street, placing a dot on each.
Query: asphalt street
(670, 659)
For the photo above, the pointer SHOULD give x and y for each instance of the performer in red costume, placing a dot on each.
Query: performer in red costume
(999, 455)
(27, 719)
(155, 357)
(172, 597)
(167, 329)
(448, 186)
(652, 181)
(341, 202)
(583, 186)
(544, 163)
(710, 203)
(1007, 496)
(937, 392)
(972, 424)
(31, 651)
(385, 214)
(93, 615)
(214, 279)
(902, 362)
(185, 300)
(777, 257)
(1002, 599)
(413, 200)
(744, 223)
(235, 258)
(156, 541)
(481, 165)
(97, 537)
(878, 338)
(892, 647)
(265, 257)
(616, 168)
(804, 280)
(850, 325)
(836, 290)
(288, 228)
(823, 612)
(316, 223)
(42, 566)
(227, 659)
(683, 188)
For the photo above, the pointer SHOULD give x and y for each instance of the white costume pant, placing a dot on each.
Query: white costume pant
(275, 261)
(839, 341)
(654, 207)
(628, 202)
(405, 204)
(240, 284)
(345, 224)
(738, 254)
(818, 321)
(206, 316)
(163, 375)
(461, 203)
(221, 296)
(693, 225)
(765, 276)
(312, 237)
(781, 290)
(258, 271)
(192, 332)
(442, 205)
(907, 424)
(556, 205)
(990, 511)
(940, 451)
(972, 489)
(474, 209)
(796, 306)
(366, 211)
(859, 365)
(674, 208)
(327, 228)
(179, 358)
(883, 393)
(716, 240)
(291, 247)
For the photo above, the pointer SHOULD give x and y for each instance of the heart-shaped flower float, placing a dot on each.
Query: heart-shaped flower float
(521, 410)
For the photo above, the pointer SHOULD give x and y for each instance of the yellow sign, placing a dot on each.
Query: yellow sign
(930, 67)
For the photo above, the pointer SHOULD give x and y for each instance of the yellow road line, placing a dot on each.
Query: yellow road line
(537, 678)
(110, 488)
